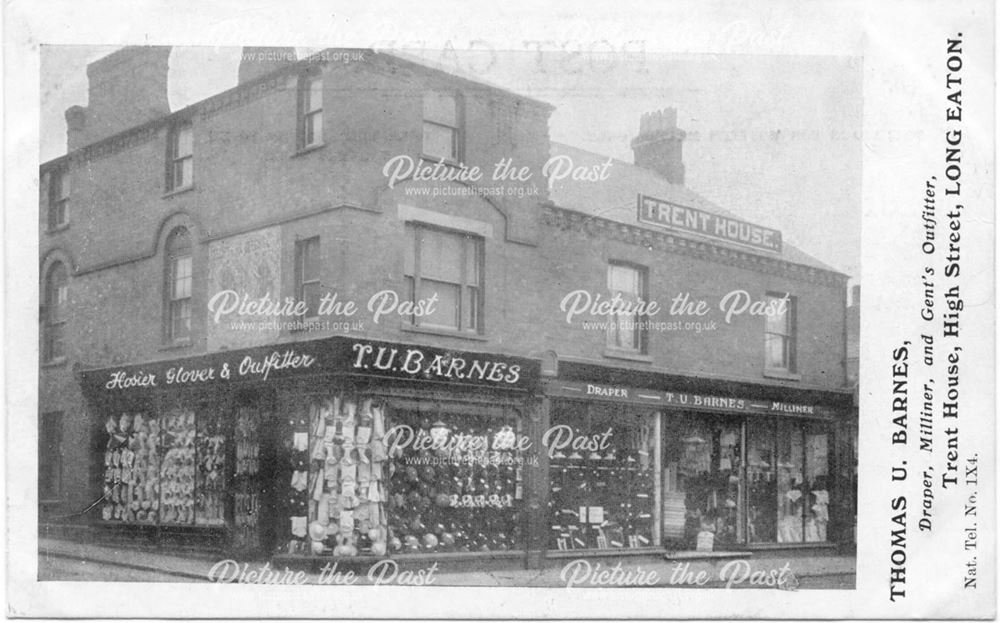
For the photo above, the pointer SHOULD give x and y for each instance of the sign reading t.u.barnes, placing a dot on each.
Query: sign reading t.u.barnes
(683, 218)
(335, 355)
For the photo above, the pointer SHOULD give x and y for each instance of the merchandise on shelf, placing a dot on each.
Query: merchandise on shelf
(131, 478)
(246, 498)
(338, 492)
(177, 470)
(458, 487)
(603, 497)
(210, 453)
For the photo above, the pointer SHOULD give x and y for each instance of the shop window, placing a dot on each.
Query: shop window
(310, 111)
(59, 189)
(626, 331)
(179, 277)
(603, 470)
(702, 475)
(817, 504)
(180, 156)
(55, 313)
(307, 282)
(461, 490)
(779, 333)
(50, 456)
(367, 478)
(787, 474)
(446, 267)
(167, 469)
(442, 127)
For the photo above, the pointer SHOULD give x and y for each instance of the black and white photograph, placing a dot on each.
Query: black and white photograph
(460, 317)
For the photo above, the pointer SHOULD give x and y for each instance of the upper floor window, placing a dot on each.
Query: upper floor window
(180, 156)
(446, 267)
(307, 283)
(625, 329)
(58, 199)
(179, 275)
(779, 333)
(442, 127)
(56, 312)
(310, 111)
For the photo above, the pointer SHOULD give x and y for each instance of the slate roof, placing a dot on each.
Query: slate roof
(615, 199)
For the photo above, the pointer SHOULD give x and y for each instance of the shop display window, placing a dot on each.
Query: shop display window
(457, 480)
(702, 478)
(787, 473)
(367, 479)
(247, 490)
(603, 469)
(337, 481)
(166, 469)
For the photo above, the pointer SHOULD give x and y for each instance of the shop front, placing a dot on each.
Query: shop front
(339, 447)
(674, 471)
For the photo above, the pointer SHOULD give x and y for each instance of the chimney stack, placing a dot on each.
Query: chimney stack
(659, 145)
(257, 61)
(855, 295)
(126, 88)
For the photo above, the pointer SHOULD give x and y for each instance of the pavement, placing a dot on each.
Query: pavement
(69, 560)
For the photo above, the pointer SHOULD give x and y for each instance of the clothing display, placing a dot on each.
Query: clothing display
(246, 486)
(210, 500)
(702, 457)
(337, 489)
(131, 469)
(165, 470)
(177, 469)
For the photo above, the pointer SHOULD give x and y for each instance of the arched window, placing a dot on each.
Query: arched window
(56, 312)
(177, 289)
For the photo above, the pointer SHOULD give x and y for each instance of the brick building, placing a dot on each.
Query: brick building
(204, 375)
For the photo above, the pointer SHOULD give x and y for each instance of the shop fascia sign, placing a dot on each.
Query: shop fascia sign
(326, 356)
(686, 219)
(682, 400)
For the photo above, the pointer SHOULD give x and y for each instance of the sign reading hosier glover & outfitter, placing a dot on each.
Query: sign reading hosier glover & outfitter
(335, 355)
(686, 219)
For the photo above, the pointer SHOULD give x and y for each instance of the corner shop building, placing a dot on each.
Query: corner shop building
(601, 443)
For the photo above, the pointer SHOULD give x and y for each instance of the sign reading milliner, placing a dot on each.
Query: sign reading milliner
(335, 355)
(683, 218)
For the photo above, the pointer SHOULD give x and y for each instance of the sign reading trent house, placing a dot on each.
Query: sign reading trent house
(683, 218)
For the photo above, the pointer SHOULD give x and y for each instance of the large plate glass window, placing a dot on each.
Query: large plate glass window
(603, 466)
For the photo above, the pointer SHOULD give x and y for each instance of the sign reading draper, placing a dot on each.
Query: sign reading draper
(683, 218)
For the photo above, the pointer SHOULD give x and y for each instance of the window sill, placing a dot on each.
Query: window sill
(302, 151)
(178, 191)
(782, 374)
(178, 345)
(448, 162)
(57, 228)
(55, 363)
(445, 333)
(629, 355)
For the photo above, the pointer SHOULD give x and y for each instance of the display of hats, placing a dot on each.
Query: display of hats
(317, 531)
